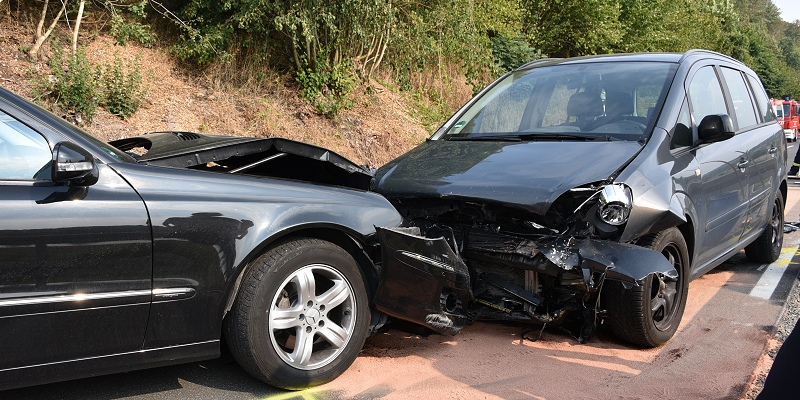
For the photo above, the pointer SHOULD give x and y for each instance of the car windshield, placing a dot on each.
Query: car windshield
(583, 101)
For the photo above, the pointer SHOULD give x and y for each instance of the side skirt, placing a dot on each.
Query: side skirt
(104, 365)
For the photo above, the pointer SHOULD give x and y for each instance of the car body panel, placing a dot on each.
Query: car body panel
(502, 171)
(204, 248)
(138, 268)
(65, 254)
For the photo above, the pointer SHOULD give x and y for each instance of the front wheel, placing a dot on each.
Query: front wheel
(648, 315)
(301, 315)
(767, 248)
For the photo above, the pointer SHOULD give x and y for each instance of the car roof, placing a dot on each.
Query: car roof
(630, 57)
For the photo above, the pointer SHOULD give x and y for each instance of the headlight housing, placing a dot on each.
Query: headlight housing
(615, 203)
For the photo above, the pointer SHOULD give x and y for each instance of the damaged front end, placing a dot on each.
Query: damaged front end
(462, 261)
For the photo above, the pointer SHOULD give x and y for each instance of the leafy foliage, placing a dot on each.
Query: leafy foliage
(75, 87)
(333, 46)
(72, 87)
(327, 87)
(127, 25)
(123, 91)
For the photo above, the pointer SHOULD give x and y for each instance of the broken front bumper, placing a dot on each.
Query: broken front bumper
(427, 281)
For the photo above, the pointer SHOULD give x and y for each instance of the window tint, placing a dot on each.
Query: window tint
(705, 95)
(24, 154)
(764, 106)
(682, 133)
(742, 105)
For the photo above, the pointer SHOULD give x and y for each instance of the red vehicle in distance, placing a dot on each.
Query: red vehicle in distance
(787, 112)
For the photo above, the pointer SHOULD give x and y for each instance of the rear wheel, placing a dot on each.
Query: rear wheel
(301, 315)
(767, 248)
(648, 315)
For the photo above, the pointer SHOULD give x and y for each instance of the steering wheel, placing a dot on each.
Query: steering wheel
(621, 119)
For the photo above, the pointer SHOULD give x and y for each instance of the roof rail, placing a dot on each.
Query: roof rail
(692, 52)
(539, 61)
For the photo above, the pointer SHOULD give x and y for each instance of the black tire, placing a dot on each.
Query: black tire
(303, 291)
(767, 248)
(649, 314)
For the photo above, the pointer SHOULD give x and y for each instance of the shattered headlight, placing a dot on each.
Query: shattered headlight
(614, 205)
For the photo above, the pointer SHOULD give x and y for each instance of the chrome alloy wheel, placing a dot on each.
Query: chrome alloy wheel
(312, 317)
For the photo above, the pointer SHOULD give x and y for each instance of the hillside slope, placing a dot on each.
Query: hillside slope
(377, 129)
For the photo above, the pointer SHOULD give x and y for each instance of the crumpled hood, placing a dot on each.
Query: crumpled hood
(272, 157)
(529, 174)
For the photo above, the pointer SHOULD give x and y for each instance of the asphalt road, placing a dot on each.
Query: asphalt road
(729, 318)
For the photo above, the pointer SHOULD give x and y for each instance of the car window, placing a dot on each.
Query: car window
(592, 100)
(705, 95)
(742, 105)
(764, 105)
(24, 153)
(504, 114)
(682, 133)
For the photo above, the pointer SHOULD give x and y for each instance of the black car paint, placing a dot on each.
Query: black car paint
(139, 269)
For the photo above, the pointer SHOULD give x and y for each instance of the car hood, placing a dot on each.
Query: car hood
(529, 175)
(268, 157)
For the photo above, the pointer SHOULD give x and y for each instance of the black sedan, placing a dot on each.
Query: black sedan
(144, 252)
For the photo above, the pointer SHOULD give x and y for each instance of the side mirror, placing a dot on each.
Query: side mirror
(715, 128)
(74, 165)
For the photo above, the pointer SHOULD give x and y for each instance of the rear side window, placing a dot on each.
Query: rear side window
(762, 100)
(705, 95)
(742, 105)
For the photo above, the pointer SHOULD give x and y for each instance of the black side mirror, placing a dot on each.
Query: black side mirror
(74, 165)
(715, 128)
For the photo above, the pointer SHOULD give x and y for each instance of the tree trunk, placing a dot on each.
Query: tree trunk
(40, 37)
(77, 27)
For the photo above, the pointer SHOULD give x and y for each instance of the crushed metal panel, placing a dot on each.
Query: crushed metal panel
(621, 261)
(423, 281)
(268, 157)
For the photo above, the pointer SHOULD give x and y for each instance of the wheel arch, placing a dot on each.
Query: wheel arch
(357, 245)
(687, 229)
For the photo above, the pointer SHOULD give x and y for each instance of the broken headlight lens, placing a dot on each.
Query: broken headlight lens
(614, 205)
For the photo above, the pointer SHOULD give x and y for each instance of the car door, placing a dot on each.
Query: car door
(764, 143)
(722, 199)
(75, 261)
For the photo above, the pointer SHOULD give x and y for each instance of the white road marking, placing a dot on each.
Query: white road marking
(770, 278)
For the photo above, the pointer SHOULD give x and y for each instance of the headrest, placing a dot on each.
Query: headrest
(584, 104)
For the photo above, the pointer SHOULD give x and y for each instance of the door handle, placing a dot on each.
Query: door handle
(773, 150)
(742, 164)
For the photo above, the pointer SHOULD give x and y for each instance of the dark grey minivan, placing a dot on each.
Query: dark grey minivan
(577, 191)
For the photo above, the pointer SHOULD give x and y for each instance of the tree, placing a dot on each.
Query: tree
(567, 28)
(41, 36)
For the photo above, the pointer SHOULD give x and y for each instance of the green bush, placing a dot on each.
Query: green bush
(72, 87)
(123, 31)
(123, 92)
(327, 88)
